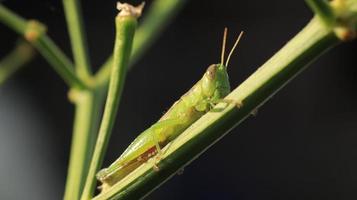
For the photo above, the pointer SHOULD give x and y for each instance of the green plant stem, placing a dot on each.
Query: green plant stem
(87, 115)
(156, 19)
(77, 34)
(60, 63)
(125, 29)
(87, 105)
(16, 59)
(323, 10)
(12, 20)
(305, 47)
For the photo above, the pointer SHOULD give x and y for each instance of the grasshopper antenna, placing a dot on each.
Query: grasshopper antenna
(224, 44)
(233, 48)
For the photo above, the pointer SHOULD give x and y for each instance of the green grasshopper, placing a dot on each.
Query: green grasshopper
(207, 92)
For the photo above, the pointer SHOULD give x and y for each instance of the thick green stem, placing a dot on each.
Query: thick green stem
(311, 42)
(16, 59)
(156, 19)
(87, 115)
(126, 22)
(77, 35)
(33, 31)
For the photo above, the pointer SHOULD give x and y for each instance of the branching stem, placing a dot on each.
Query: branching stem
(17, 58)
(34, 32)
(126, 22)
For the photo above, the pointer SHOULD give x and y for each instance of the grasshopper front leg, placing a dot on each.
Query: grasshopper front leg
(238, 104)
(209, 104)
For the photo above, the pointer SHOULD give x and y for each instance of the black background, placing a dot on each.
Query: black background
(301, 145)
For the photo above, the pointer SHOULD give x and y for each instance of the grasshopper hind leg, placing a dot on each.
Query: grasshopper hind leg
(158, 151)
(156, 132)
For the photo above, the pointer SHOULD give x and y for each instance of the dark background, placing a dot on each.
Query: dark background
(301, 145)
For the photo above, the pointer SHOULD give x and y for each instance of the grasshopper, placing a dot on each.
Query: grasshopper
(206, 93)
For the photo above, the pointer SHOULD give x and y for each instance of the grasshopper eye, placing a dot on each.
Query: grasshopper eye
(211, 71)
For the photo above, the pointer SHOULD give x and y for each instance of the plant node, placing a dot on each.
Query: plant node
(34, 30)
(339, 15)
(75, 95)
(129, 10)
(346, 18)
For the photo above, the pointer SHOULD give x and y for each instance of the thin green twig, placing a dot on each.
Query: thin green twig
(33, 31)
(126, 22)
(77, 34)
(156, 19)
(17, 58)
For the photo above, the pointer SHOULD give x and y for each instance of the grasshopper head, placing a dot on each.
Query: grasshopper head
(215, 82)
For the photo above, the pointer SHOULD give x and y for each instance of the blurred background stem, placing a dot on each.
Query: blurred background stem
(17, 58)
(34, 32)
(87, 113)
(87, 105)
(76, 29)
